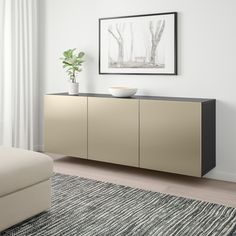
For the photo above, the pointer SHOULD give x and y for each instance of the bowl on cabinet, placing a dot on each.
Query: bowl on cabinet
(122, 91)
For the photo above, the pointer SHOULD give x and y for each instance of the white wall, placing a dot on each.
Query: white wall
(207, 56)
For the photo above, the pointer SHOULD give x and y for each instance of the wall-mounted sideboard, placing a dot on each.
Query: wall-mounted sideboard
(159, 133)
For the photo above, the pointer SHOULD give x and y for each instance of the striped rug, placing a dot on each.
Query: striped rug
(89, 208)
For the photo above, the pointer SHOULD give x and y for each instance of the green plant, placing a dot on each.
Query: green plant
(72, 62)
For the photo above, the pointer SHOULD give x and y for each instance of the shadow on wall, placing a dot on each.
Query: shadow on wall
(225, 138)
(88, 73)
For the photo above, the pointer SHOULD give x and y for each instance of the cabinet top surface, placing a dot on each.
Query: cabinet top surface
(137, 97)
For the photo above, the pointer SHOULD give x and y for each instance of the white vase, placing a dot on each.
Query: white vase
(73, 88)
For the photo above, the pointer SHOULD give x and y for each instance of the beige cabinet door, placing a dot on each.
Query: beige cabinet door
(170, 136)
(113, 130)
(66, 125)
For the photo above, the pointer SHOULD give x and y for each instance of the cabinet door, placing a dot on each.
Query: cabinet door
(113, 130)
(170, 136)
(66, 125)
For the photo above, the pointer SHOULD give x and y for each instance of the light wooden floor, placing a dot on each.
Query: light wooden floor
(203, 189)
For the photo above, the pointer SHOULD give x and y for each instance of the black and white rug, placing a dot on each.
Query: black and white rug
(89, 208)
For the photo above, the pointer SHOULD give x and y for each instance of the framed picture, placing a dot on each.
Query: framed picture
(139, 44)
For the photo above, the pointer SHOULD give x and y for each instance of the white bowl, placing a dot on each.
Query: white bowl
(122, 91)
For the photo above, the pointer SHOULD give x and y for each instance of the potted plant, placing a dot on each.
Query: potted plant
(72, 62)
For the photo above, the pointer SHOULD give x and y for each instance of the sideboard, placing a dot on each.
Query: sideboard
(168, 134)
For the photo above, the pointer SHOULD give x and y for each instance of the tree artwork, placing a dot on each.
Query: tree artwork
(156, 37)
(131, 42)
(121, 34)
(139, 44)
(119, 28)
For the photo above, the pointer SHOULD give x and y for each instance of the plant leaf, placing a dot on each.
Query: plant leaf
(81, 54)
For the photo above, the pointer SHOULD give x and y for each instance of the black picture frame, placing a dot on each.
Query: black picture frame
(174, 41)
